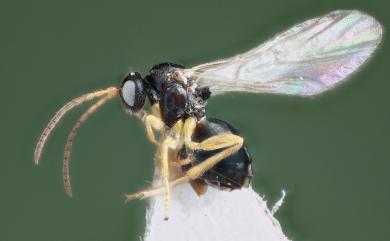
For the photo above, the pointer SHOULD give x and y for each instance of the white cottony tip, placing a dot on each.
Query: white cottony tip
(217, 215)
(278, 203)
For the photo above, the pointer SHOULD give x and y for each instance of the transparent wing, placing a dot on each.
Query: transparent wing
(305, 60)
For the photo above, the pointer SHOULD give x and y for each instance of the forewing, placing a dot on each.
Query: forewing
(305, 60)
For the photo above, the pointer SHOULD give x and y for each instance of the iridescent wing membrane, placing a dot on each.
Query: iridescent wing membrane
(305, 60)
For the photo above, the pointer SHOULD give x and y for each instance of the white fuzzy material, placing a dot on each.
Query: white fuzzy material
(240, 215)
(278, 203)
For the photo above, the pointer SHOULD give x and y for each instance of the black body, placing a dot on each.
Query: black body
(176, 99)
(232, 172)
(179, 100)
(157, 77)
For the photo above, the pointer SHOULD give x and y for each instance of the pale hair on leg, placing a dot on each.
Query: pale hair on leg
(58, 116)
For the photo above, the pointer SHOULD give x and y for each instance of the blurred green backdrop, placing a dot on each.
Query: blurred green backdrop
(330, 153)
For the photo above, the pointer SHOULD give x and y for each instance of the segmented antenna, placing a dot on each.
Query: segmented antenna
(58, 116)
(72, 135)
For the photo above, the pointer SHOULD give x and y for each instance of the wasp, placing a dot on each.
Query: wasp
(306, 60)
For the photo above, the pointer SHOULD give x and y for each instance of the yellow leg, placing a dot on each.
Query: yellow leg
(201, 168)
(155, 191)
(219, 141)
(182, 162)
(167, 144)
(233, 144)
(153, 123)
(188, 128)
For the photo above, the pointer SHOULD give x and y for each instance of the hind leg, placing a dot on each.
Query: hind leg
(235, 143)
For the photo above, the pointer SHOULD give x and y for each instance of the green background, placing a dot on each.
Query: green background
(330, 153)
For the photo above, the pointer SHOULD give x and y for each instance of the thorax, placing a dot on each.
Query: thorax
(178, 98)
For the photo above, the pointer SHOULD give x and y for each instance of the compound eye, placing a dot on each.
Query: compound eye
(133, 92)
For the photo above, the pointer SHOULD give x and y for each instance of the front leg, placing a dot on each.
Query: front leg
(163, 163)
(167, 144)
(153, 122)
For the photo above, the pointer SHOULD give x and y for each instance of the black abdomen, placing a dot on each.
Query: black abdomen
(231, 173)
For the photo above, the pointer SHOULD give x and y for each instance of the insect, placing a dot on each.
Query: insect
(306, 60)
